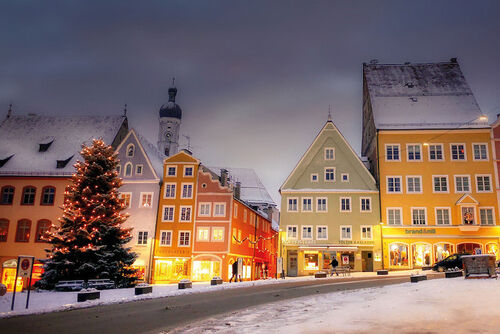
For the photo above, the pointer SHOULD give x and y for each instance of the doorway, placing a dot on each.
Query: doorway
(292, 263)
(367, 261)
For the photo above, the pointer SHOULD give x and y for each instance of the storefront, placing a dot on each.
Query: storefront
(205, 267)
(171, 269)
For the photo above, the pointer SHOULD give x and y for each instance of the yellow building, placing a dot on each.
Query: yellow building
(430, 150)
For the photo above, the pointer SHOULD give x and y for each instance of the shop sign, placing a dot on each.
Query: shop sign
(420, 231)
(299, 242)
(345, 259)
(356, 243)
(279, 265)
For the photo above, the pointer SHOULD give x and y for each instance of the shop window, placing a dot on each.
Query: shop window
(7, 195)
(205, 270)
(469, 248)
(492, 248)
(23, 230)
(310, 260)
(422, 255)
(398, 253)
(28, 196)
(48, 194)
(4, 230)
(442, 251)
(171, 270)
(42, 227)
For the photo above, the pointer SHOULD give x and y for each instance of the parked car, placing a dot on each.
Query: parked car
(452, 261)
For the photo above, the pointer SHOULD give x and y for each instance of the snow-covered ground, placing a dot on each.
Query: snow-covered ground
(451, 305)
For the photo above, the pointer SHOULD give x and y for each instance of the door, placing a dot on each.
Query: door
(292, 264)
(367, 261)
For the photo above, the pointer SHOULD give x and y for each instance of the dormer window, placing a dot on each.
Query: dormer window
(5, 160)
(63, 163)
(43, 147)
(130, 150)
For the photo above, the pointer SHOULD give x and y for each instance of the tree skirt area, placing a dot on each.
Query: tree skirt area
(437, 306)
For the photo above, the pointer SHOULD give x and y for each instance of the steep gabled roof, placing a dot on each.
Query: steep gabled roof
(40, 144)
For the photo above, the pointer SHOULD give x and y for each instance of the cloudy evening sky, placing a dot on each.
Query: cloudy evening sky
(254, 78)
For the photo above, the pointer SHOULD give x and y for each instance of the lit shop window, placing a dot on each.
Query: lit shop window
(398, 255)
(442, 251)
(310, 260)
(422, 254)
(492, 248)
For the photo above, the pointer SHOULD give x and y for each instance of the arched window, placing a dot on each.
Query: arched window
(128, 169)
(42, 227)
(23, 230)
(4, 229)
(118, 169)
(130, 150)
(48, 194)
(7, 195)
(28, 197)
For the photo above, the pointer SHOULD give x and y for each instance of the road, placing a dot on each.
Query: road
(164, 314)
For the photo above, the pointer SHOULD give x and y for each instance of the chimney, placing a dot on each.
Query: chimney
(9, 112)
(453, 60)
(269, 211)
(223, 177)
(237, 190)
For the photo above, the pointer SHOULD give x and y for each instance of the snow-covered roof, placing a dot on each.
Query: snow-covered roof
(21, 136)
(421, 96)
(152, 153)
(252, 189)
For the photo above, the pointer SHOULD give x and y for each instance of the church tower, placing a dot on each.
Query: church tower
(170, 122)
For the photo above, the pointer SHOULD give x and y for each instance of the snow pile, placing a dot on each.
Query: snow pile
(436, 306)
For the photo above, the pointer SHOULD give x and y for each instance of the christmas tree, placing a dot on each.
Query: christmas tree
(90, 241)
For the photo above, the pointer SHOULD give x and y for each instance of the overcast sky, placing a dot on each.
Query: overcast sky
(254, 78)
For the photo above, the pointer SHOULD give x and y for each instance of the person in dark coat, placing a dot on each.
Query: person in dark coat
(235, 272)
(334, 265)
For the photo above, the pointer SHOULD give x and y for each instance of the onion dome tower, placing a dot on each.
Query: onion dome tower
(170, 122)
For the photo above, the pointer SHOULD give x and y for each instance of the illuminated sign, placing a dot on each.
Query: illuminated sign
(421, 231)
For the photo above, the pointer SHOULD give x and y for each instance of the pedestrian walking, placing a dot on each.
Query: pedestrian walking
(235, 272)
(334, 265)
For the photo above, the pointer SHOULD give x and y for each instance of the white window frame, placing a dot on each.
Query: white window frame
(436, 215)
(182, 189)
(386, 155)
(333, 151)
(200, 213)
(316, 175)
(179, 238)
(408, 152)
(400, 215)
(477, 183)
(165, 190)
(288, 204)
(296, 232)
(334, 174)
(302, 227)
(133, 150)
(400, 184)
(147, 237)
(451, 152)
(170, 166)
(425, 216)
(317, 232)
(166, 233)
(408, 184)
(345, 226)
(185, 169)
(125, 170)
(215, 214)
(326, 204)
(235, 210)
(163, 213)
(190, 213)
(342, 177)
(130, 200)
(142, 197)
(213, 233)
(204, 229)
(361, 232)
(462, 176)
(487, 153)
(350, 203)
(311, 204)
(492, 208)
(361, 204)
(137, 167)
(429, 151)
(447, 191)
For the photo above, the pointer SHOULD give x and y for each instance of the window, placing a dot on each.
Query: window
(458, 152)
(245, 215)
(235, 211)
(205, 209)
(329, 174)
(291, 232)
(443, 216)
(128, 169)
(118, 169)
(171, 171)
(307, 232)
(321, 232)
(486, 215)
(314, 177)
(4, 229)
(440, 184)
(345, 204)
(188, 171)
(344, 177)
(462, 183)
(414, 184)
(23, 230)
(142, 238)
(345, 233)
(480, 151)
(7, 195)
(418, 216)
(165, 238)
(138, 169)
(42, 227)
(329, 153)
(187, 190)
(168, 213)
(392, 152)
(321, 205)
(483, 183)
(126, 199)
(292, 205)
(436, 152)
(414, 152)
(28, 196)
(218, 234)
(48, 194)
(307, 204)
(184, 237)
(169, 190)
(394, 184)
(365, 204)
(394, 216)
(219, 209)
(366, 233)
(203, 233)
(146, 200)
(130, 150)
(185, 214)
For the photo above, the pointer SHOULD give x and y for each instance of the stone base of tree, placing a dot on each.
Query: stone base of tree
(452, 274)
(382, 272)
(185, 284)
(84, 296)
(142, 290)
(418, 278)
(216, 281)
(320, 274)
